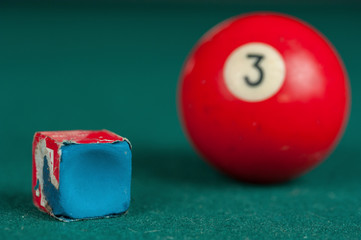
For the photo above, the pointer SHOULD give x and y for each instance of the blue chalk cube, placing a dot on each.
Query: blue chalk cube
(94, 180)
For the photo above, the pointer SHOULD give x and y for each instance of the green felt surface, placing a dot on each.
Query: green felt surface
(115, 66)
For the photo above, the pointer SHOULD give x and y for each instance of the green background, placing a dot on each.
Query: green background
(78, 65)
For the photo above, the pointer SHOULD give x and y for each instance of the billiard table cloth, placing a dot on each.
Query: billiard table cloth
(115, 65)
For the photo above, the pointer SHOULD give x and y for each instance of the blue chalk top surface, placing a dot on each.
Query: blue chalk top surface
(94, 180)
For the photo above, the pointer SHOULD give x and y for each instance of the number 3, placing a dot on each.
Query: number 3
(256, 65)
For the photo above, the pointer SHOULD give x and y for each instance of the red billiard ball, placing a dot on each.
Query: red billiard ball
(264, 97)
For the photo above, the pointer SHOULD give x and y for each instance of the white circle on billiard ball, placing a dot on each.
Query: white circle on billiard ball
(254, 72)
